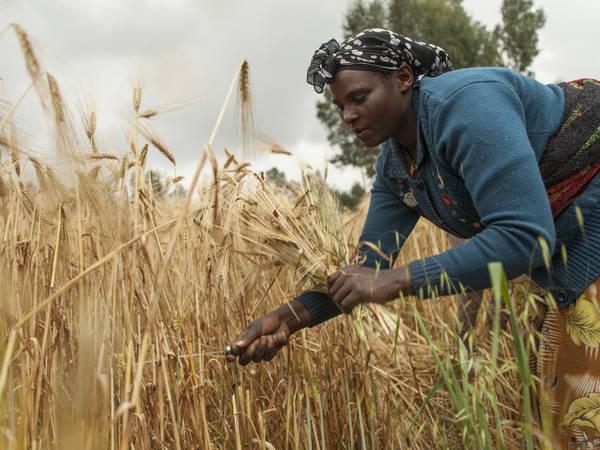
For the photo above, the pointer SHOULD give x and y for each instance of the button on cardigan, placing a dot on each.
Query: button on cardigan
(481, 133)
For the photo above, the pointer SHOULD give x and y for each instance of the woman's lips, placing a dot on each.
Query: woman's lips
(360, 132)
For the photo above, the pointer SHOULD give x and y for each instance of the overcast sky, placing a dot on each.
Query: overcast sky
(189, 50)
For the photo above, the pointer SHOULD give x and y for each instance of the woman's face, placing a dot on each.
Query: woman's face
(374, 106)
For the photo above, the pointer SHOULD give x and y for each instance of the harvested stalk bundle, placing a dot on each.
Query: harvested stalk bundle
(308, 235)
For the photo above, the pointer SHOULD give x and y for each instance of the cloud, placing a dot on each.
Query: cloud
(190, 49)
(186, 50)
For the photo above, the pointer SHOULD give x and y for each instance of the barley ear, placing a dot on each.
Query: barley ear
(143, 155)
(14, 160)
(137, 97)
(124, 166)
(90, 129)
(97, 156)
(163, 149)
(57, 101)
(245, 82)
(33, 66)
(93, 173)
(39, 171)
(148, 113)
(245, 107)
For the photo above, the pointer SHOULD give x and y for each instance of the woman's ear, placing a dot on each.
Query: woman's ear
(404, 77)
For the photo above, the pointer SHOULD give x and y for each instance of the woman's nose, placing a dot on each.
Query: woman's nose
(349, 116)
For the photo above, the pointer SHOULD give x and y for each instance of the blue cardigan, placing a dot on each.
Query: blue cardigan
(481, 133)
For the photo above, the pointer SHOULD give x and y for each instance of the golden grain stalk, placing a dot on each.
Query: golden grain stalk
(31, 61)
(276, 148)
(163, 149)
(97, 156)
(57, 101)
(143, 155)
(3, 189)
(245, 105)
(89, 125)
(271, 145)
(124, 167)
(156, 142)
(147, 113)
(94, 171)
(137, 96)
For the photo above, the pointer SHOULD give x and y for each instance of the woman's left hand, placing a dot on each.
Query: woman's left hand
(356, 284)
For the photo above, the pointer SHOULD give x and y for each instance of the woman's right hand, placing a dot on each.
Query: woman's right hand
(263, 338)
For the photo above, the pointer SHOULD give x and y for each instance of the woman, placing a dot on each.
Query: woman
(485, 154)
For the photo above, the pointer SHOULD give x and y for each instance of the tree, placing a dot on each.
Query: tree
(447, 24)
(352, 198)
(361, 16)
(277, 177)
(161, 184)
(348, 199)
(157, 184)
(518, 33)
(352, 152)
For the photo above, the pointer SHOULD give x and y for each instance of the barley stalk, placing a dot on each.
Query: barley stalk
(31, 61)
(147, 113)
(163, 149)
(3, 189)
(143, 154)
(98, 156)
(137, 97)
(57, 101)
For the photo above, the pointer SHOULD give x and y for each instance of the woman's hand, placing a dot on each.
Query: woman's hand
(356, 284)
(263, 338)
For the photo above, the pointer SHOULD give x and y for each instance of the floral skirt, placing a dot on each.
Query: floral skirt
(568, 366)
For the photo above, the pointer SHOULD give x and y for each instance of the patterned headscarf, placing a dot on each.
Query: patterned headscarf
(377, 50)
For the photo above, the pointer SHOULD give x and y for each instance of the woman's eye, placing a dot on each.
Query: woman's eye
(358, 100)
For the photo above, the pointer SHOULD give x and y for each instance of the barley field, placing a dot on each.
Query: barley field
(116, 304)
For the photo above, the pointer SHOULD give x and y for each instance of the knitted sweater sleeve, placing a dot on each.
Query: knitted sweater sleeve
(389, 222)
(480, 132)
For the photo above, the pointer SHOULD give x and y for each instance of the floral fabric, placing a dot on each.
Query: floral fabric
(568, 367)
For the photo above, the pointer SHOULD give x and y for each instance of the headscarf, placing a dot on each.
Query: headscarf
(377, 50)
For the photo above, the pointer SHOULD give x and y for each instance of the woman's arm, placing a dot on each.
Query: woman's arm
(388, 223)
(481, 132)
(263, 338)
